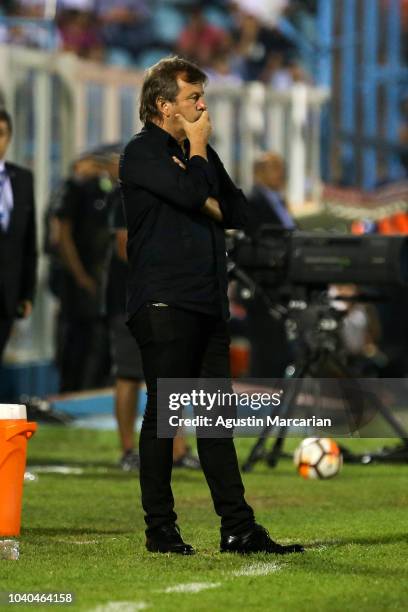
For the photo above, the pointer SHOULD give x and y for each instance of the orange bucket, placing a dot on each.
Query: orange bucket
(14, 433)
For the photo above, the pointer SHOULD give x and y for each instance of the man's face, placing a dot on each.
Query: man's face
(189, 102)
(274, 173)
(5, 137)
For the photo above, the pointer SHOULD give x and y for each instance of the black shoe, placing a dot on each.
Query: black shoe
(167, 539)
(254, 541)
(189, 461)
(130, 461)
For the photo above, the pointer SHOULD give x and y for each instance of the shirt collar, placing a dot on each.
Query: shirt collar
(2, 165)
(162, 136)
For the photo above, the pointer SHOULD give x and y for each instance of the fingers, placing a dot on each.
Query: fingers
(178, 162)
(204, 116)
(199, 130)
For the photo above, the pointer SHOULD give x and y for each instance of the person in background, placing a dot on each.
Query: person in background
(84, 242)
(360, 331)
(81, 34)
(201, 41)
(256, 39)
(126, 25)
(281, 74)
(220, 71)
(18, 242)
(268, 204)
(126, 357)
(270, 350)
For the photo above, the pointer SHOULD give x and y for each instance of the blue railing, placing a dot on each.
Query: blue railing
(365, 129)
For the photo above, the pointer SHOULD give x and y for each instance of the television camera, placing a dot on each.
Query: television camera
(292, 273)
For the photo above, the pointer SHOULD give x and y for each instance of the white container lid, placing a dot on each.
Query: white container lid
(13, 411)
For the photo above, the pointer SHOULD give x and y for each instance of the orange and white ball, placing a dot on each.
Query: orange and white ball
(318, 458)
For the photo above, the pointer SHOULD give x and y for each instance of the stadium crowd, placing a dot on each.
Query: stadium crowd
(234, 40)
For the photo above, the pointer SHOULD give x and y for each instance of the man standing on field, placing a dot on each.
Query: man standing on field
(178, 200)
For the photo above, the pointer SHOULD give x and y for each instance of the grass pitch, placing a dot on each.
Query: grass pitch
(83, 533)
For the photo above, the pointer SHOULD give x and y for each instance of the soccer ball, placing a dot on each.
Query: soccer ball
(318, 458)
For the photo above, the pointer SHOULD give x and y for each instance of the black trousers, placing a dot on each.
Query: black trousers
(181, 344)
(83, 353)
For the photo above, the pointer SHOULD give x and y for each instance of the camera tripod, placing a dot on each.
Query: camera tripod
(323, 347)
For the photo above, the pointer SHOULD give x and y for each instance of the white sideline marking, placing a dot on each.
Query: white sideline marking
(192, 587)
(254, 569)
(121, 606)
(99, 541)
(56, 469)
(65, 541)
(258, 569)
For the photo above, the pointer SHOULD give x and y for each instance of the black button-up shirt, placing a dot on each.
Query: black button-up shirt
(176, 253)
